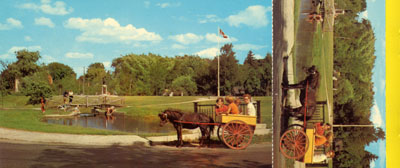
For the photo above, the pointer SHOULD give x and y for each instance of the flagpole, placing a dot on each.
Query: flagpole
(218, 93)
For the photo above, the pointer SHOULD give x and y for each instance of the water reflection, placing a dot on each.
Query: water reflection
(119, 122)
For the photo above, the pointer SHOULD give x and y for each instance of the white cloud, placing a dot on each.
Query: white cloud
(78, 55)
(79, 70)
(208, 53)
(10, 24)
(28, 38)
(363, 15)
(178, 46)
(246, 46)
(372, 164)
(48, 59)
(187, 38)
(382, 86)
(214, 38)
(109, 31)
(210, 18)
(44, 22)
(107, 64)
(376, 115)
(58, 7)
(166, 4)
(254, 16)
(258, 56)
(12, 50)
(141, 45)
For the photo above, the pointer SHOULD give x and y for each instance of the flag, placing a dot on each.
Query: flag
(222, 33)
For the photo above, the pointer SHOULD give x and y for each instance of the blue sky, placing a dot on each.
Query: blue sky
(78, 33)
(376, 14)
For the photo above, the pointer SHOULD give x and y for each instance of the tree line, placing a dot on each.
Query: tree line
(354, 58)
(140, 74)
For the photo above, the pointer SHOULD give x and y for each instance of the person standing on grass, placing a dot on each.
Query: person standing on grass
(250, 109)
(232, 107)
(71, 96)
(42, 103)
(65, 96)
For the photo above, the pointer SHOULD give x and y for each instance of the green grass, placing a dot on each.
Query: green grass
(15, 102)
(296, 15)
(24, 117)
(261, 138)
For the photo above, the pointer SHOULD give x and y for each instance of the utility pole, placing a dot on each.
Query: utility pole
(353, 125)
(83, 86)
(218, 92)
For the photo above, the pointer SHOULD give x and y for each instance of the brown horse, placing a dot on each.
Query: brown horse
(310, 84)
(179, 119)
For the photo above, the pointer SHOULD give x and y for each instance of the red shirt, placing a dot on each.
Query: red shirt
(318, 129)
(223, 108)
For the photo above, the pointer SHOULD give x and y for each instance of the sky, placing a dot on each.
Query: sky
(376, 14)
(79, 33)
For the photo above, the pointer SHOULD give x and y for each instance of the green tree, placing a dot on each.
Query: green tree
(184, 84)
(95, 77)
(25, 66)
(250, 59)
(36, 86)
(354, 59)
(64, 78)
(229, 75)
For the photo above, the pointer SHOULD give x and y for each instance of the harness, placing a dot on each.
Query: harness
(305, 104)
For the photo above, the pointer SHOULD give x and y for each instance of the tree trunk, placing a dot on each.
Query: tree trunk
(16, 84)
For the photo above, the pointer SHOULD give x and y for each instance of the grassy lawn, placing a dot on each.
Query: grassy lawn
(18, 115)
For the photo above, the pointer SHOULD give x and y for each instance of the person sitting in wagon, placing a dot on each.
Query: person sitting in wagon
(323, 140)
(250, 109)
(220, 107)
(320, 129)
(318, 158)
(237, 102)
(232, 107)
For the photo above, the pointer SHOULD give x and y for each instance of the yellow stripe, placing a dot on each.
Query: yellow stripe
(392, 83)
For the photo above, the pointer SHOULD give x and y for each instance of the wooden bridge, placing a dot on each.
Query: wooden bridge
(102, 101)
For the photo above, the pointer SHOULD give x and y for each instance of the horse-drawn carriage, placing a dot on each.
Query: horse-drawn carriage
(236, 131)
(298, 141)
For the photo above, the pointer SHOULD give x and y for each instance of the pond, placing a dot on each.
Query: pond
(117, 122)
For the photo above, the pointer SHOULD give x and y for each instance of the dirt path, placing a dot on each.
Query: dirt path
(283, 40)
(15, 154)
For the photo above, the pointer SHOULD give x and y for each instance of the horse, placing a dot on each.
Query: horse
(310, 84)
(176, 117)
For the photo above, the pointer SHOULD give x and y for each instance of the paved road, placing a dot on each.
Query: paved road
(20, 154)
(283, 43)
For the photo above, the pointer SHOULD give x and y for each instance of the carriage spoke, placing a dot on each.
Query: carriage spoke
(229, 139)
(245, 130)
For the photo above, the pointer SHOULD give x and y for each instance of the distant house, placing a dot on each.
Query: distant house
(238, 91)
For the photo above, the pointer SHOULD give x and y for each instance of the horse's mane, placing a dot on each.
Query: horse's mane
(177, 110)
